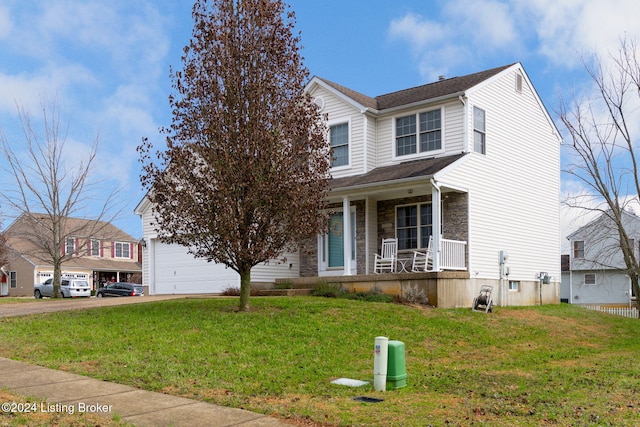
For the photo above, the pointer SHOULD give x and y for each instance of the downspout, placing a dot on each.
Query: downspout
(464, 124)
(437, 226)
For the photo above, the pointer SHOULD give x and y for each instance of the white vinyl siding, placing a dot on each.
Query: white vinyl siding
(514, 212)
(339, 111)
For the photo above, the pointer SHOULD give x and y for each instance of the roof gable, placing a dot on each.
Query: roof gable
(432, 91)
(630, 222)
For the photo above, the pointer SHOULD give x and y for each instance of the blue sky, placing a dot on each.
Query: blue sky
(107, 62)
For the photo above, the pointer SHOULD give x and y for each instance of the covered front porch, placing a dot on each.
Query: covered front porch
(406, 202)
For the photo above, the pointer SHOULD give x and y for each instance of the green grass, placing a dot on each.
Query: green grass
(550, 365)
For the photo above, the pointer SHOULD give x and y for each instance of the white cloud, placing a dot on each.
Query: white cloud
(466, 31)
(489, 23)
(569, 29)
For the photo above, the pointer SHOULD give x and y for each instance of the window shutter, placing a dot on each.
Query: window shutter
(77, 243)
(113, 249)
(89, 247)
(101, 248)
(130, 250)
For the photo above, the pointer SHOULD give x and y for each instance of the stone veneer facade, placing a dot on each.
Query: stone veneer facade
(455, 208)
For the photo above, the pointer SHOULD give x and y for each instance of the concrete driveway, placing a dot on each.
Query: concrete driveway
(49, 305)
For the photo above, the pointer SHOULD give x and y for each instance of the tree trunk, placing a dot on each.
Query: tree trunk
(57, 280)
(245, 289)
(636, 288)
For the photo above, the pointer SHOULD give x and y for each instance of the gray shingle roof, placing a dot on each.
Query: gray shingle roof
(411, 169)
(409, 96)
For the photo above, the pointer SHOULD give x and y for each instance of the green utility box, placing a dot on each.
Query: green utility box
(396, 367)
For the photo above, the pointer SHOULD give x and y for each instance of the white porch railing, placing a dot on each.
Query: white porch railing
(452, 254)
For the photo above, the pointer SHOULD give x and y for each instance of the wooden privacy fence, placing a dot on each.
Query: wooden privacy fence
(631, 312)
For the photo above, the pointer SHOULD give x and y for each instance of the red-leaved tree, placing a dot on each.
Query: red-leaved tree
(245, 173)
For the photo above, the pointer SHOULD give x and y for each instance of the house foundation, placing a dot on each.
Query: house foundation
(444, 289)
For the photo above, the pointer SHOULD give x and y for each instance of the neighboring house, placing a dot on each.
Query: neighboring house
(471, 162)
(100, 252)
(597, 273)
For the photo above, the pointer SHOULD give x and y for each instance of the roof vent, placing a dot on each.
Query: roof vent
(441, 77)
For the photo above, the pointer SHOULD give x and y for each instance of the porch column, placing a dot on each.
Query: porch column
(436, 207)
(346, 234)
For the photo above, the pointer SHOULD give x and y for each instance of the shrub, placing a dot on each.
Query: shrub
(285, 284)
(328, 290)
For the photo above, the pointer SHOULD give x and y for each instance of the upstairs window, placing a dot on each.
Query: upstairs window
(479, 134)
(94, 247)
(578, 249)
(70, 245)
(339, 137)
(419, 133)
(121, 250)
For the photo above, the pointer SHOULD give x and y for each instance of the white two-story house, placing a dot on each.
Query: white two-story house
(597, 272)
(471, 162)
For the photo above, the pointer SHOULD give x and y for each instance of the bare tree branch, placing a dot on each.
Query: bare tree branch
(602, 152)
(46, 191)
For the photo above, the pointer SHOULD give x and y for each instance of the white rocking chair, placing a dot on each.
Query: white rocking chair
(386, 261)
(423, 261)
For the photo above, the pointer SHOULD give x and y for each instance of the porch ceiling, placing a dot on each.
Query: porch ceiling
(391, 178)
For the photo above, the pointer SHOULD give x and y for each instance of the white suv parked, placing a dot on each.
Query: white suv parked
(69, 288)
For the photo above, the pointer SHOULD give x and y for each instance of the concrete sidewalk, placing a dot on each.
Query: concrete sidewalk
(73, 392)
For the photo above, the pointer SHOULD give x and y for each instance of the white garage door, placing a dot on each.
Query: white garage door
(177, 272)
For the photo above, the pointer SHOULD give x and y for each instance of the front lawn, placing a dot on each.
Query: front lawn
(553, 365)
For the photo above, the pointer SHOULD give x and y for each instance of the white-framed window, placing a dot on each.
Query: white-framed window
(578, 249)
(590, 279)
(479, 131)
(121, 250)
(418, 133)
(94, 247)
(514, 285)
(339, 138)
(13, 279)
(70, 245)
(414, 225)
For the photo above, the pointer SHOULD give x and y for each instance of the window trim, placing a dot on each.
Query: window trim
(73, 245)
(121, 245)
(575, 250)
(94, 248)
(418, 153)
(419, 225)
(337, 122)
(514, 286)
(482, 132)
(595, 279)
(13, 279)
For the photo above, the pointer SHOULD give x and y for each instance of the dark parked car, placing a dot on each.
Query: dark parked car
(120, 289)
